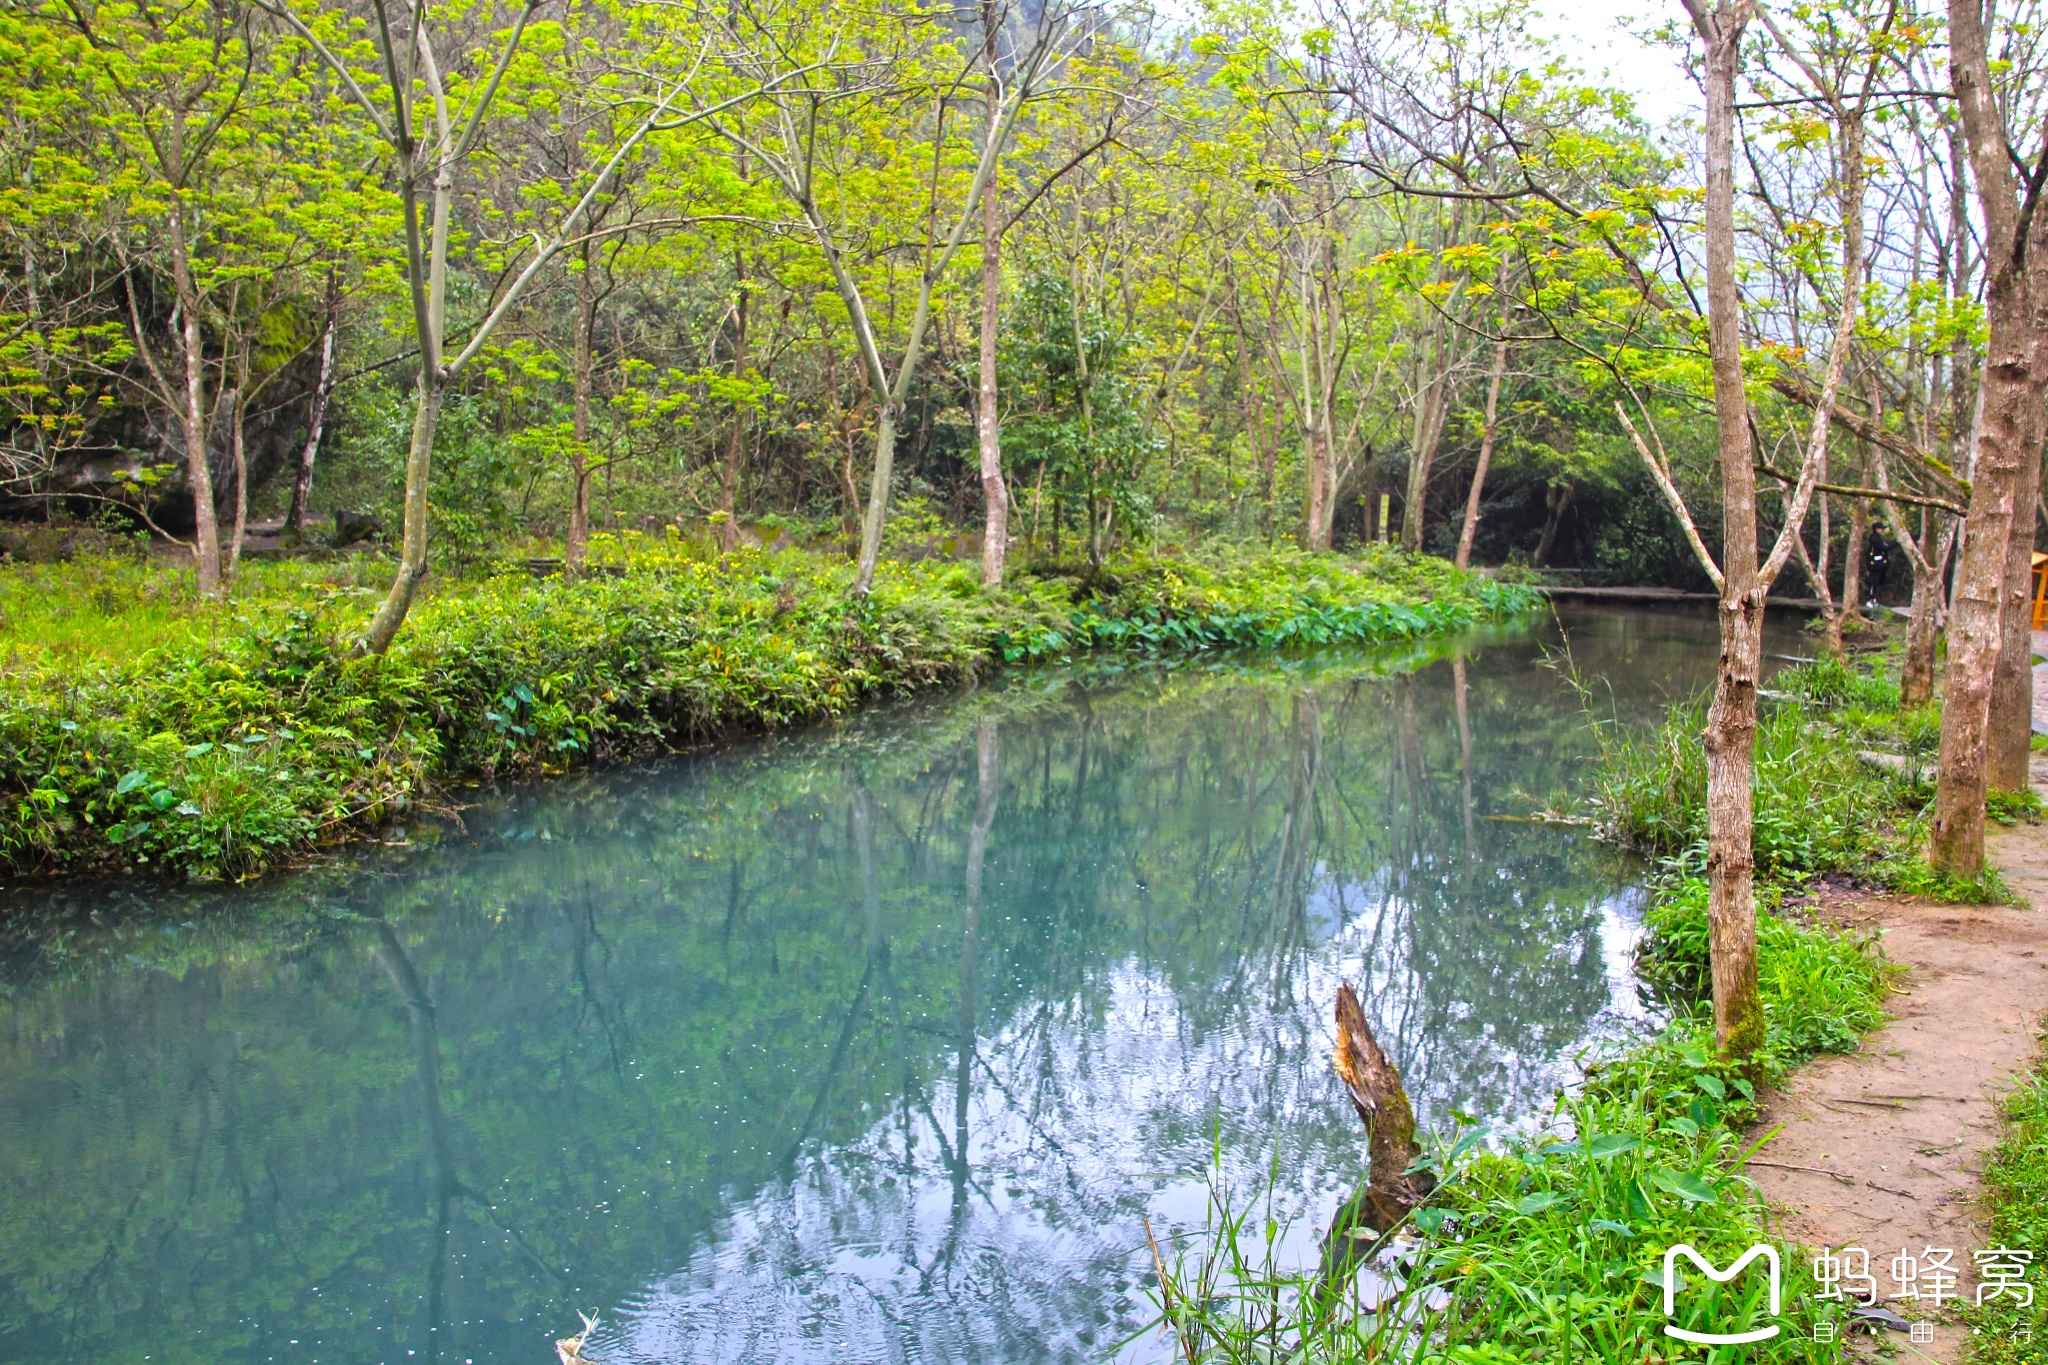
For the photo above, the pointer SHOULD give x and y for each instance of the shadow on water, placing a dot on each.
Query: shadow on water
(874, 1043)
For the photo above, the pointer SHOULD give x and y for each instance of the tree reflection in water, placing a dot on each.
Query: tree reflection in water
(869, 1044)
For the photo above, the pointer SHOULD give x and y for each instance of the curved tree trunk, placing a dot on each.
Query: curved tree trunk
(412, 550)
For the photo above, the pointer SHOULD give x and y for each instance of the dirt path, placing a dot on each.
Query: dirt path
(1881, 1150)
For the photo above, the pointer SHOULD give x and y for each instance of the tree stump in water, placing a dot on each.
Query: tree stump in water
(1391, 1189)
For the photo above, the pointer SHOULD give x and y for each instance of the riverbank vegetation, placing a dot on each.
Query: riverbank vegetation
(1548, 1248)
(1844, 782)
(225, 746)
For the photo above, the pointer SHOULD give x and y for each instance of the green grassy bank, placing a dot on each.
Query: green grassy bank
(1551, 1249)
(141, 732)
(1844, 782)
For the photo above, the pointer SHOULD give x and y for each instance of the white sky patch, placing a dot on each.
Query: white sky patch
(1600, 37)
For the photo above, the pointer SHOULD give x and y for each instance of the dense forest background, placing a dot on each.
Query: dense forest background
(1260, 272)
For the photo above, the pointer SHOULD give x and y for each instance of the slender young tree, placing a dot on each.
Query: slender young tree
(426, 146)
(1742, 580)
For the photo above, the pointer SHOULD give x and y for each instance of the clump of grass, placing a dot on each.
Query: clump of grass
(2009, 808)
(1913, 876)
(1831, 684)
(1552, 1249)
(2016, 1197)
(1818, 807)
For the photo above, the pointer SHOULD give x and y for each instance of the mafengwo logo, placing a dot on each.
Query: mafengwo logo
(1708, 1269)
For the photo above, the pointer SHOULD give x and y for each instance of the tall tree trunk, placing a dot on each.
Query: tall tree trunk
(581, 366)
(1916, 673)
(323, 389)
(1853, 555)
(1319, 387)
(192, 411)
(2012, 688)
(995, 496)
(735, 442)
(2008, 425)
(1817, 576)
(1431, 406)
(1316, 415)
(1555, 501)
(1486, 438)
(1731, 718)
(238, 459)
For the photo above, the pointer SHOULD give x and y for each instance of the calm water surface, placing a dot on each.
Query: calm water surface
(873, 1044)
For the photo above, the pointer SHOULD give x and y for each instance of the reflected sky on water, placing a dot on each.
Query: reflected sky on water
(877, 1043)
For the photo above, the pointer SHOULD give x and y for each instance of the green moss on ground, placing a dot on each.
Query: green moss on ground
(239, 737)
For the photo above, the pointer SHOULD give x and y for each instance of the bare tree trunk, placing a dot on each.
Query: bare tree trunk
(1431, 407)
(735, 444)
(1318, 384)
(1486, 438)
(577, 539)
(1853, 555)
(1555, 501)
(995, 496)
(192, 411)
(1817, 578)
(238, 452)
(1730, 736)
(878, 496)
(1316, 416)
(2012, 688)
(1916, 674)
(412, 551)
(323, 389)
(2007, 445)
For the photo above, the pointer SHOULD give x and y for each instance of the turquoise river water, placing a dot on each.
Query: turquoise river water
(873, 1043)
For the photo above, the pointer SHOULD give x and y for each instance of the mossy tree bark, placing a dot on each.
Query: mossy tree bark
(1376, 1092)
